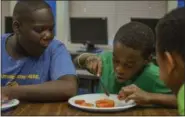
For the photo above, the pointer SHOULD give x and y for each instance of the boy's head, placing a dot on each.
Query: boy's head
(33, 24)
(133, 47)
(170, 48)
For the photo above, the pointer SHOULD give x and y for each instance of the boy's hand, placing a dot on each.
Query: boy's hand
(94, 65)
(132, 92)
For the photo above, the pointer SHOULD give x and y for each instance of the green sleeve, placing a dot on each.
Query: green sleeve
(105, 56)
(160, 87)
(180, 100)
(149, 80)
(107, 69)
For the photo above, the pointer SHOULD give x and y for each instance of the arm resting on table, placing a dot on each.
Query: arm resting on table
(58, 90)
(163, 99)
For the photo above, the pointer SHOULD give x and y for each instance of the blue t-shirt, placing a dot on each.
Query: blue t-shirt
(54, 63)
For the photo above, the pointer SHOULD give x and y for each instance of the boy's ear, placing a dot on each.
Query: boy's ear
(170, 62)
(16, 26)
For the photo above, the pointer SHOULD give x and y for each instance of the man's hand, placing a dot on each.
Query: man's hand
(94, 65)
(4, 97)
(132, 92)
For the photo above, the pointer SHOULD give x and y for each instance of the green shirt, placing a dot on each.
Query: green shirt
(148, 80)
(180, 100)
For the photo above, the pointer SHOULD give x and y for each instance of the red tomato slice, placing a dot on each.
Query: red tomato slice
(79, 101)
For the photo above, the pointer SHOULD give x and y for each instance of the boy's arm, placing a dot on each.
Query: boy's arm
(80, 61)
(141, 97)
(163, 99)
(90, 62)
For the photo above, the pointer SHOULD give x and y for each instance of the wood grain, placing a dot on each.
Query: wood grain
(63, 108)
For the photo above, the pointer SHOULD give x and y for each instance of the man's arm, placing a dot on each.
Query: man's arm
(58, 90)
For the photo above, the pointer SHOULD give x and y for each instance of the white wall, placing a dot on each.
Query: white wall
(118, 12)
(171, 5)
(7, 10)
(62, 19)
(12, 4)
(5, 7)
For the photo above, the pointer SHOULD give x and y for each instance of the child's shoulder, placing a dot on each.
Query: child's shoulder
(106, 54)
(56, 45)
(149, 80)
(151, 71)
(106, 57)
(4, 36)
(151, 67)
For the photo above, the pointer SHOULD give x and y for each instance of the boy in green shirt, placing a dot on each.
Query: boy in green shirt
(127, 70)
(170, 49)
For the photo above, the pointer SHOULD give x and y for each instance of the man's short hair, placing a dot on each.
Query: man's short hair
(24, 8)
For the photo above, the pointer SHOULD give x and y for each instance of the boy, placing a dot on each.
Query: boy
(128, 70)
(170, 49)
(33, 63)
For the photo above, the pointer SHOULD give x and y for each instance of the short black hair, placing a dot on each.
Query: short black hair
(137, 36)
(170, 32)
(24, 8)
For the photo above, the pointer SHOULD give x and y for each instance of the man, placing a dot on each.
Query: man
(35, 66)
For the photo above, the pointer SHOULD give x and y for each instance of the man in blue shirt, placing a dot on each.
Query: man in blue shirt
(35, 66)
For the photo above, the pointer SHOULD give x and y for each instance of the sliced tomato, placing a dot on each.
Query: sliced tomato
(87, 104)
(104, 103)
(79, 101)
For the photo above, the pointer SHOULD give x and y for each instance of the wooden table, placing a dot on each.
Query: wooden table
(62, 108)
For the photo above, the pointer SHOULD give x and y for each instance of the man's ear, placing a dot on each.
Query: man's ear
(170, 62)
(16, 26)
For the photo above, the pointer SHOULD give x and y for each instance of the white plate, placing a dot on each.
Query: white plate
(9, 104)
(91, 98)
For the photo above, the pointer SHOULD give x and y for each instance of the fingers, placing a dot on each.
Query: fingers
(89, 66)
(132, 86)
(94, 65)
(130, 97)
(121, 95)
(99, 68)
(125, 92)
(135, 98)
(129, 88)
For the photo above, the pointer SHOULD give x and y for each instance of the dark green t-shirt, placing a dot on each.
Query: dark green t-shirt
(148, 80)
